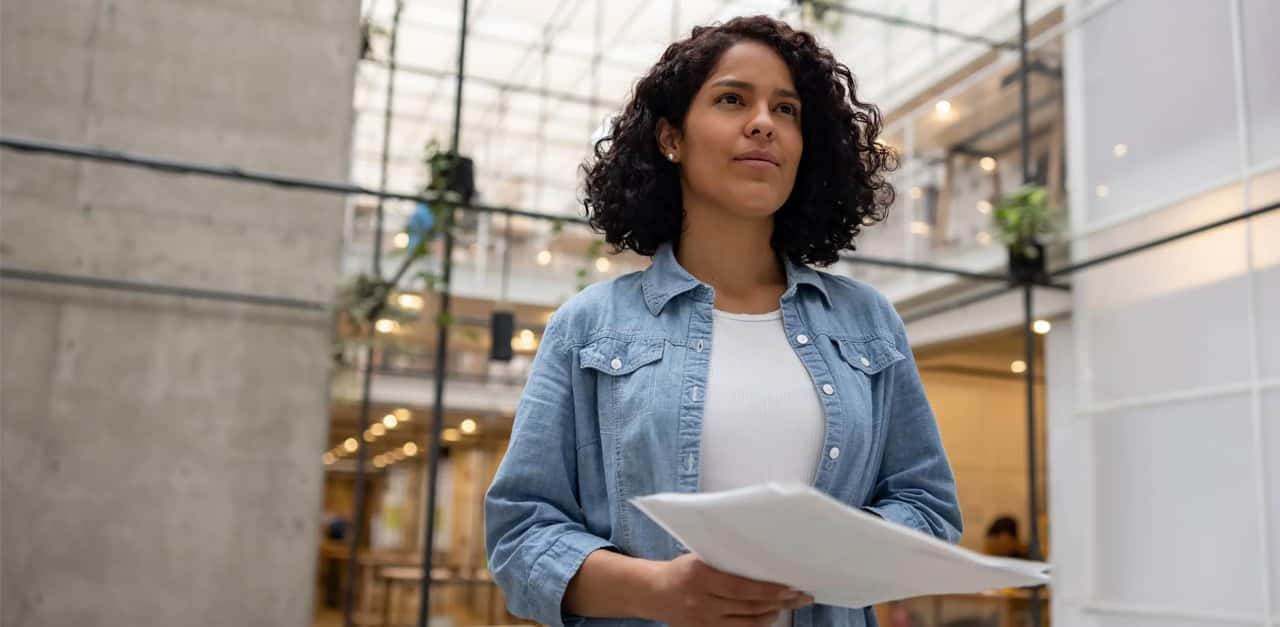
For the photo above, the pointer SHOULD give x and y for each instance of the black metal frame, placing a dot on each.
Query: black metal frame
(37, 146)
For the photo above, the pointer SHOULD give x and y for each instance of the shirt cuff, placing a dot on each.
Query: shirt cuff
(899, 513)
(555, 568)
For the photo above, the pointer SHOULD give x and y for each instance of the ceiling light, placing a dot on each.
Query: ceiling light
(377, 429)
(544, 258)
(1018, 367)
(602, 264)
(369, 436)
(329, 458)
(390, 421)
(387, 326)
(526, 341)
(984, 206)
(401, 240)
(350, 445)
(468, 426)
(1120, 150)
(410, 301)
(410, 449)
(1041, 327)
(450, 435)
(943, 107)
(988, 164)
(402, 414)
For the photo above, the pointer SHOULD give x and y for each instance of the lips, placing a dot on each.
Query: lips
(757, 157)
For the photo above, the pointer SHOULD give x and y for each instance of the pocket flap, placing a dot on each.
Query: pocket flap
(618, 357)
(870, 355)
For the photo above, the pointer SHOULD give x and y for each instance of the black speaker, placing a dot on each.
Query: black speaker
(462, 178)
(501, 329)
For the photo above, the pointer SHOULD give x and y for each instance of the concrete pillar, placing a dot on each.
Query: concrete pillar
(160, 456)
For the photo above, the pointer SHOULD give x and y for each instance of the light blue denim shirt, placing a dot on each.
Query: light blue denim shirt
(613, 410)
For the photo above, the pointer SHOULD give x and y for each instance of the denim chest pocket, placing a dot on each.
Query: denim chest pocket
(625, 376)
(865, 360)
(869, 356)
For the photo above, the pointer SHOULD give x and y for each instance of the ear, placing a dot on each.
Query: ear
(669, 140)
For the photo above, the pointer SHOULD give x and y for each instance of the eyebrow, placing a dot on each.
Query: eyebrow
(730, 82)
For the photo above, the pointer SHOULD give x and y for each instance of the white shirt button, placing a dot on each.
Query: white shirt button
(827, 389)
(865, 361)
(834, 453)
(802, 339)
(616, 364)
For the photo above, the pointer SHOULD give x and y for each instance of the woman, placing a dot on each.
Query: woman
(743, 156)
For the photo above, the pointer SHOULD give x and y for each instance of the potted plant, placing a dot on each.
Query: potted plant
(1025, 222)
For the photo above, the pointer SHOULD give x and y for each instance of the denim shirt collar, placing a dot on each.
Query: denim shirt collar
(666, 279)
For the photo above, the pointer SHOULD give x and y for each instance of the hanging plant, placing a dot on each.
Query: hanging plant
(821, 15)
(1026, 223)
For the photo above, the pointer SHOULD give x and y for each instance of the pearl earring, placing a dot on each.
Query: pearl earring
(671, 156)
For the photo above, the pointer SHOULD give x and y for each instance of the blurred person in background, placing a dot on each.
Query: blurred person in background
(1002, 539)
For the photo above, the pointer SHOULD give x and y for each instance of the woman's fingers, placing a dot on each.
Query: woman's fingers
(728, 586)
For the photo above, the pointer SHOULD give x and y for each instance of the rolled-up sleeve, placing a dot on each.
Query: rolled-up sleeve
(914, 486)
(534, 528)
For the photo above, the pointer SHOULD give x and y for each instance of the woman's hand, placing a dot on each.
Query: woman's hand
(689, 593)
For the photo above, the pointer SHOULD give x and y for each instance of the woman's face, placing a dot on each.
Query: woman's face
(741, 142)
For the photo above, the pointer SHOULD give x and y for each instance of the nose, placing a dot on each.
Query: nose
(761, 124)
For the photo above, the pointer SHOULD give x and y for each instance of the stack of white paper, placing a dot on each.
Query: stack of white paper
(797, 536)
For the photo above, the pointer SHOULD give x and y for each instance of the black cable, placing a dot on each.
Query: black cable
(951, 306)
(72, 151)
(1076, 267)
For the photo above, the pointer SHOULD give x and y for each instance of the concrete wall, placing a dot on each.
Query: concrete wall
(161, 456)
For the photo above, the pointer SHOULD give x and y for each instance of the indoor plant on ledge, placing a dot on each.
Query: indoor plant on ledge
(1025, 222)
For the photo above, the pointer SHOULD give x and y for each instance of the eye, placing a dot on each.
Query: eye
(730, 98)
(787, 108)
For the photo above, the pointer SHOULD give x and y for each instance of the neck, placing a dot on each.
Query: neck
(734, 256)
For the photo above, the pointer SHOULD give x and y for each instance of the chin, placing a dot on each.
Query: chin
(754, 201)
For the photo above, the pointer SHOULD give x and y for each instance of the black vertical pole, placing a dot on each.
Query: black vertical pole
(442, 345)
(1029, 338)
(357, 515)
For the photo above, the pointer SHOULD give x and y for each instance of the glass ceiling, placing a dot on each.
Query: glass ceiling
(534, 98)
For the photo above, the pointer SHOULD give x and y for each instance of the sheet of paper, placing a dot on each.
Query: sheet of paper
(800, 537)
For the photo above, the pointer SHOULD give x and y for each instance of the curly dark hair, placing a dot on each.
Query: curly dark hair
(632, 194)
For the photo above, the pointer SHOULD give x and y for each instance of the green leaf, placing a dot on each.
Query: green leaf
(1024, 216)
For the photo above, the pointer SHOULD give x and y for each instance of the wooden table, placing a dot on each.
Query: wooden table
(391, 576)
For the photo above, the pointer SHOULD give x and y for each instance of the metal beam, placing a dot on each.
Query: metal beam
(362, 453)
(912, 24)
(1132, 250)
(501, 85)
(245, 176)
(442, 342)
(164, 290)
